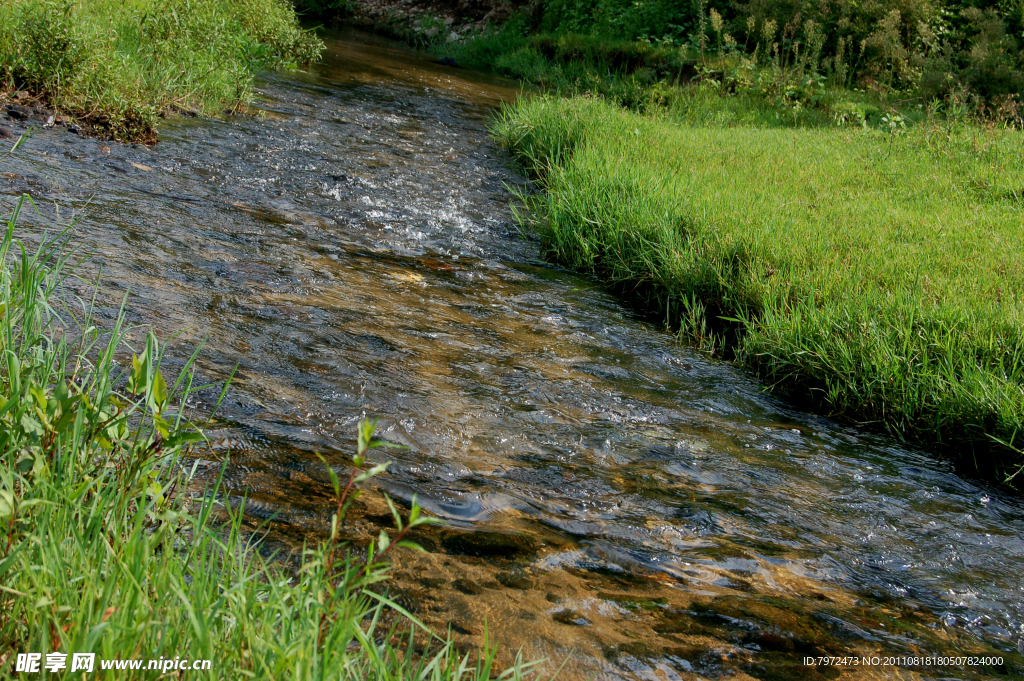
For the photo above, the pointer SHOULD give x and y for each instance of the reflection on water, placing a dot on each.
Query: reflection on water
(353, 251)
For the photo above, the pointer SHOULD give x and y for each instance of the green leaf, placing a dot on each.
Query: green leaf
(40, 396)
(389, 445)
(156, 491)
(162, 426)
(60, 392)
(14, 372)
(365, 438)
(135, 379)
(159, 391)
(394, 512)
(405, 543)
(373, 472)
(183, 438)
(67, 413)
(31, 426)
(334, 476)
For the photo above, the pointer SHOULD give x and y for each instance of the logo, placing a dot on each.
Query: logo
(55, 662)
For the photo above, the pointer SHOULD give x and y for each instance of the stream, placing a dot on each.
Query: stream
(611, 495)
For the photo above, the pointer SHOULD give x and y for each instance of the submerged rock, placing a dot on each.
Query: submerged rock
(516, 579)
(468, 587)
(571, 617)
(489, 544)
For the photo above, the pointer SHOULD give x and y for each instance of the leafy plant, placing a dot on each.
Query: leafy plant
(51, 47)
(358, 575)
(116, 66)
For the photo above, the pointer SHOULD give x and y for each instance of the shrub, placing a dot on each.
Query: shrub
(117, 65)
(50, 47)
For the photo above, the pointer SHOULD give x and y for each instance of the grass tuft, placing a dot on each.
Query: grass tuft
(116, 65)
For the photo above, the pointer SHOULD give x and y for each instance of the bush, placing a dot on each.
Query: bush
(117, 65)
(50, 48)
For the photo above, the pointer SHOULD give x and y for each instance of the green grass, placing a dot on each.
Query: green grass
(106, 548)
(717, 87)
(875, 275)
(116, 65)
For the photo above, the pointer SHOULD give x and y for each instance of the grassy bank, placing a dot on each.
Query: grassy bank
(874, 274)
(106, 548)
(115, 66)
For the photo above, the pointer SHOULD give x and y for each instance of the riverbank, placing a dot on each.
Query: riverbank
(108, 547)
(868, 274)
(113, 69)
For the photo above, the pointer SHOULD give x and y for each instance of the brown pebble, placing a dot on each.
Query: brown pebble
(5, 134)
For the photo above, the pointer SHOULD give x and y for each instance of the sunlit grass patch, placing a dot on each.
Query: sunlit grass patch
(875, 274)
(116, 65)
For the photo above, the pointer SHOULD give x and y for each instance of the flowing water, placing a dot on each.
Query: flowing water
(610, 492)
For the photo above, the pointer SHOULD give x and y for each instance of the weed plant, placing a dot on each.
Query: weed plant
(766, 62)
(105, 548)
(874, 274)
(118, 64)
(719, 86)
